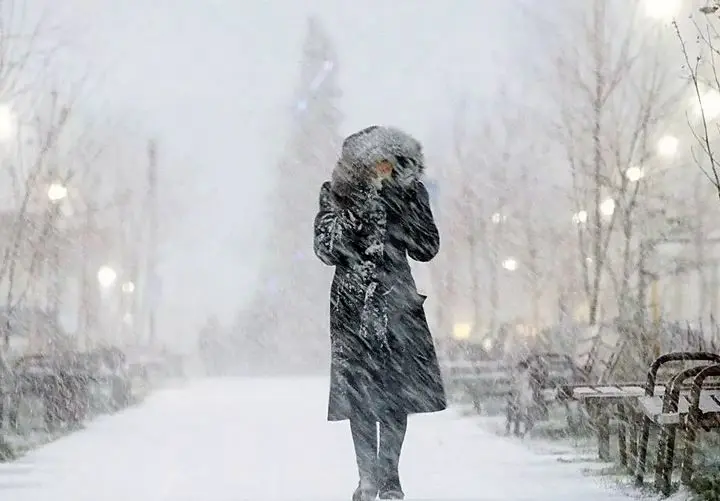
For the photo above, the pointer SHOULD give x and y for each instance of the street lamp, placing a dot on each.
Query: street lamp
(667, 146)
(497, 218)
(106, 277)
(128, 287)
(662, 10)
(707, 105)
(462, 331)
(607, 208)
(634, 173)
(57, 192)
(510, 264)
(580, 217)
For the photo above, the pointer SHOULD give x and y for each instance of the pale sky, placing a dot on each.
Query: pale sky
(213, 79)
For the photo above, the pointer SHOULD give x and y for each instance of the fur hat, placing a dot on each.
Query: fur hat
(362, 150)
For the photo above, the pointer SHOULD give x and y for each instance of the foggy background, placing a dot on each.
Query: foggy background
(215, 81)
(226, 93)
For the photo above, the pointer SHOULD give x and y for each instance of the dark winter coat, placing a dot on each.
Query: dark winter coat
(400, 372)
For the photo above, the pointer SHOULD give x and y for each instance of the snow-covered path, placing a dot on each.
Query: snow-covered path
(243, 439)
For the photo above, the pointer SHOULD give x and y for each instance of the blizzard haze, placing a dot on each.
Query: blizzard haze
(210, 261)
(214, 82)
(485, 85)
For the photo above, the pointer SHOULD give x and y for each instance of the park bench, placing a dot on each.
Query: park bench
(549, 374)
(621, 400)
(479, 379)
(598, 355)
(688, 403)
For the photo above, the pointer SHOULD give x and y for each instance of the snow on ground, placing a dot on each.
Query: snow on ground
(244, 439)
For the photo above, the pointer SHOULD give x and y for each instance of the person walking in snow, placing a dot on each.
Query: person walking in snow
(373, 214)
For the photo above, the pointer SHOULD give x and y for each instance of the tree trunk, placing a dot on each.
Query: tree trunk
(599, 66)
(474, 277)
(494, 282)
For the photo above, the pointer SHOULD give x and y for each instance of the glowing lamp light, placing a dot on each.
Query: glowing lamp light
(607, 208)
(580, 217)
(497, 218)
(708, 105)
(57, 192)
(667, 146)
(510, 264)
(634, 173)
(462, 331)
(106, 276)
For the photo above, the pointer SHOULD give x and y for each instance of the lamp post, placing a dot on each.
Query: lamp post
(153, 281)
(106, 278)
(116, 310)
(128, 312)
(57, 192)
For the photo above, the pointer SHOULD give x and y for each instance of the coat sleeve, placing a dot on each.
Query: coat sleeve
(423, 238)
(334, 231)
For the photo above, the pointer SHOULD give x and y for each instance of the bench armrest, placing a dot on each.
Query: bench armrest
(696, 389)
(672, 394)
(675, 357)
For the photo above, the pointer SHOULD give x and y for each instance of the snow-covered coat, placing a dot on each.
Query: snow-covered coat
(383, 357)
(523, 391)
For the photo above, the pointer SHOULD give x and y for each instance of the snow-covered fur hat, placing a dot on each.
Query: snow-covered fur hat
(362, 150)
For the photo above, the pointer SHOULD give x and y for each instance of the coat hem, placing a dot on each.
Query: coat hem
(336, 418)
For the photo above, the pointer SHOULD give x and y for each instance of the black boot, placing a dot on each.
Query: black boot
(391, 488)
(392, 436)
(364, 434)
(364, 494)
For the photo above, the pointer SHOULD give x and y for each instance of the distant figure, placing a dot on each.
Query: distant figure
(522, 400)
(527, 404)
(373, 215)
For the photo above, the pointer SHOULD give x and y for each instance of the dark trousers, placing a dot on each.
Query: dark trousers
(378, 444)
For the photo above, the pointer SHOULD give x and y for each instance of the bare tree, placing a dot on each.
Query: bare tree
(700, 71)
(468, 206)
(496, 221)
(614, 92)
(481, 151)
(69, 203)
(28, 44)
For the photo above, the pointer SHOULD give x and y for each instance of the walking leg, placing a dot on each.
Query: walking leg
(363, 428)
(393, 427)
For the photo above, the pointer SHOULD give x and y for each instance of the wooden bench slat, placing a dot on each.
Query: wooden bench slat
(612, 391)
(652, 407)
(621, 391)
(607, 390)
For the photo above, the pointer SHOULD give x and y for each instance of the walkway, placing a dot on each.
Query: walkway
(243, 439)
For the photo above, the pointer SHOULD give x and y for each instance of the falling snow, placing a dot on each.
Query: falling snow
(359, 250)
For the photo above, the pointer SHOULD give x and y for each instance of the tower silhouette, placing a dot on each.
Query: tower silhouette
(285, 326)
